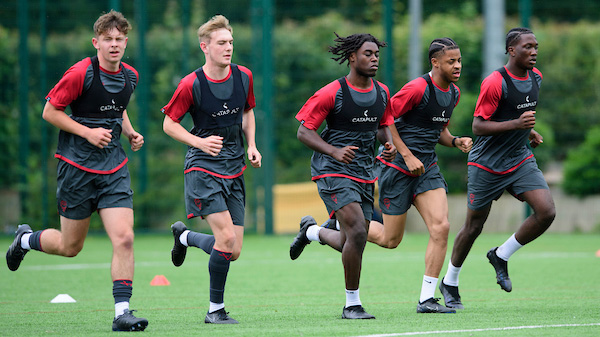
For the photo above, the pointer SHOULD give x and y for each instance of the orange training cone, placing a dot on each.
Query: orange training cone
(160, 280)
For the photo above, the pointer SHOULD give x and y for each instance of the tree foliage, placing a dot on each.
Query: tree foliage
(569, 57)
(582, 167)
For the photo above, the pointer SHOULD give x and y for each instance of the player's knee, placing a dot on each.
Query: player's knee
(236, 254)
(472, 231)
(392, 243)
(439, 231)
(358, 236)
(71, 251)
(228, 240)
(546, 216)
(124, 241)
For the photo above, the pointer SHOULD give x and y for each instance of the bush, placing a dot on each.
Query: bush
(582, 167)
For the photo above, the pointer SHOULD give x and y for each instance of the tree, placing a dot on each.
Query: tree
(582, 167)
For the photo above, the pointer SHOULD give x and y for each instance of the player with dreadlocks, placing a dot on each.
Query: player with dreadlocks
(501, 160)
(356, 110)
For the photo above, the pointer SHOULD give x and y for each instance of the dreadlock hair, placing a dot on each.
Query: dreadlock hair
(350, 44)
(439, 46)
(513, 36)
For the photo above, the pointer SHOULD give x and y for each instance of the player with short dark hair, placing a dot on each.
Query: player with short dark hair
(219, 96)
(356, 110)
(501, 161)
(422, 109)
(92, 171)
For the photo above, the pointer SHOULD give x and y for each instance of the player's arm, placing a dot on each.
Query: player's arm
(385, 137)
(535, 139)
(404, 100)
(211, 145)
(462, 143)
(483, 127)
(135, 139)
(414, 165)
(249, 128)
(99, 137)
(312, 139)
(487, 103)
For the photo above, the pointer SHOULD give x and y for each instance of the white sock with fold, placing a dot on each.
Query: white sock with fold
(352, 298)
(312, 233)
(215, 306)
(508, 248)
(451, 278)
(25, 241)
(120, 307)
(183, 237)
(428, 288)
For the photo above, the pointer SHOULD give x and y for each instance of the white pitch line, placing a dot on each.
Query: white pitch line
(481, 330)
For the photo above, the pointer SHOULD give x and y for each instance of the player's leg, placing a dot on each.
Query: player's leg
(466, 236)
(67, 242)
(433, 207)
(184, 238)
(74, 195)
(200, 189)
(389, 235)
(225, 234)
(331, 237)
(335, 193)
(396, 191)
(537, 223)
(118, 223)
(482, 189)
(544, 211)
(529, 185)
(463, 242)
(355, 228)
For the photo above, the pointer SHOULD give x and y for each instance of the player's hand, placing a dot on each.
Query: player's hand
(211, 145)
(389, 152)
(415, 166)
(345, 154)
(254, 156)
(535, 139)
(464, 144)
(99, 137)
(526, 120)
(136, 140)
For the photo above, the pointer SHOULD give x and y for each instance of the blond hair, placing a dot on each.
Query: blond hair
(110, 20)
(215, 23)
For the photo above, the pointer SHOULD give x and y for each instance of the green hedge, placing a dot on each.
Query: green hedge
(569, 57)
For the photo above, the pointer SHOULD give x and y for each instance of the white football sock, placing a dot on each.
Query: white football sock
(312, 233)
(183, 237)
(508, 248)
(352, 298)
(120, 307)
(25, 241)
(451, 278)
(428, 288)
(215, 306)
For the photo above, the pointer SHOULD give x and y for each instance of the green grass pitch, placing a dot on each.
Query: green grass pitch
(556, 291)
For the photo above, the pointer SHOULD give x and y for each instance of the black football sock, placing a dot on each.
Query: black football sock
(218, 266)
(201, 240)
